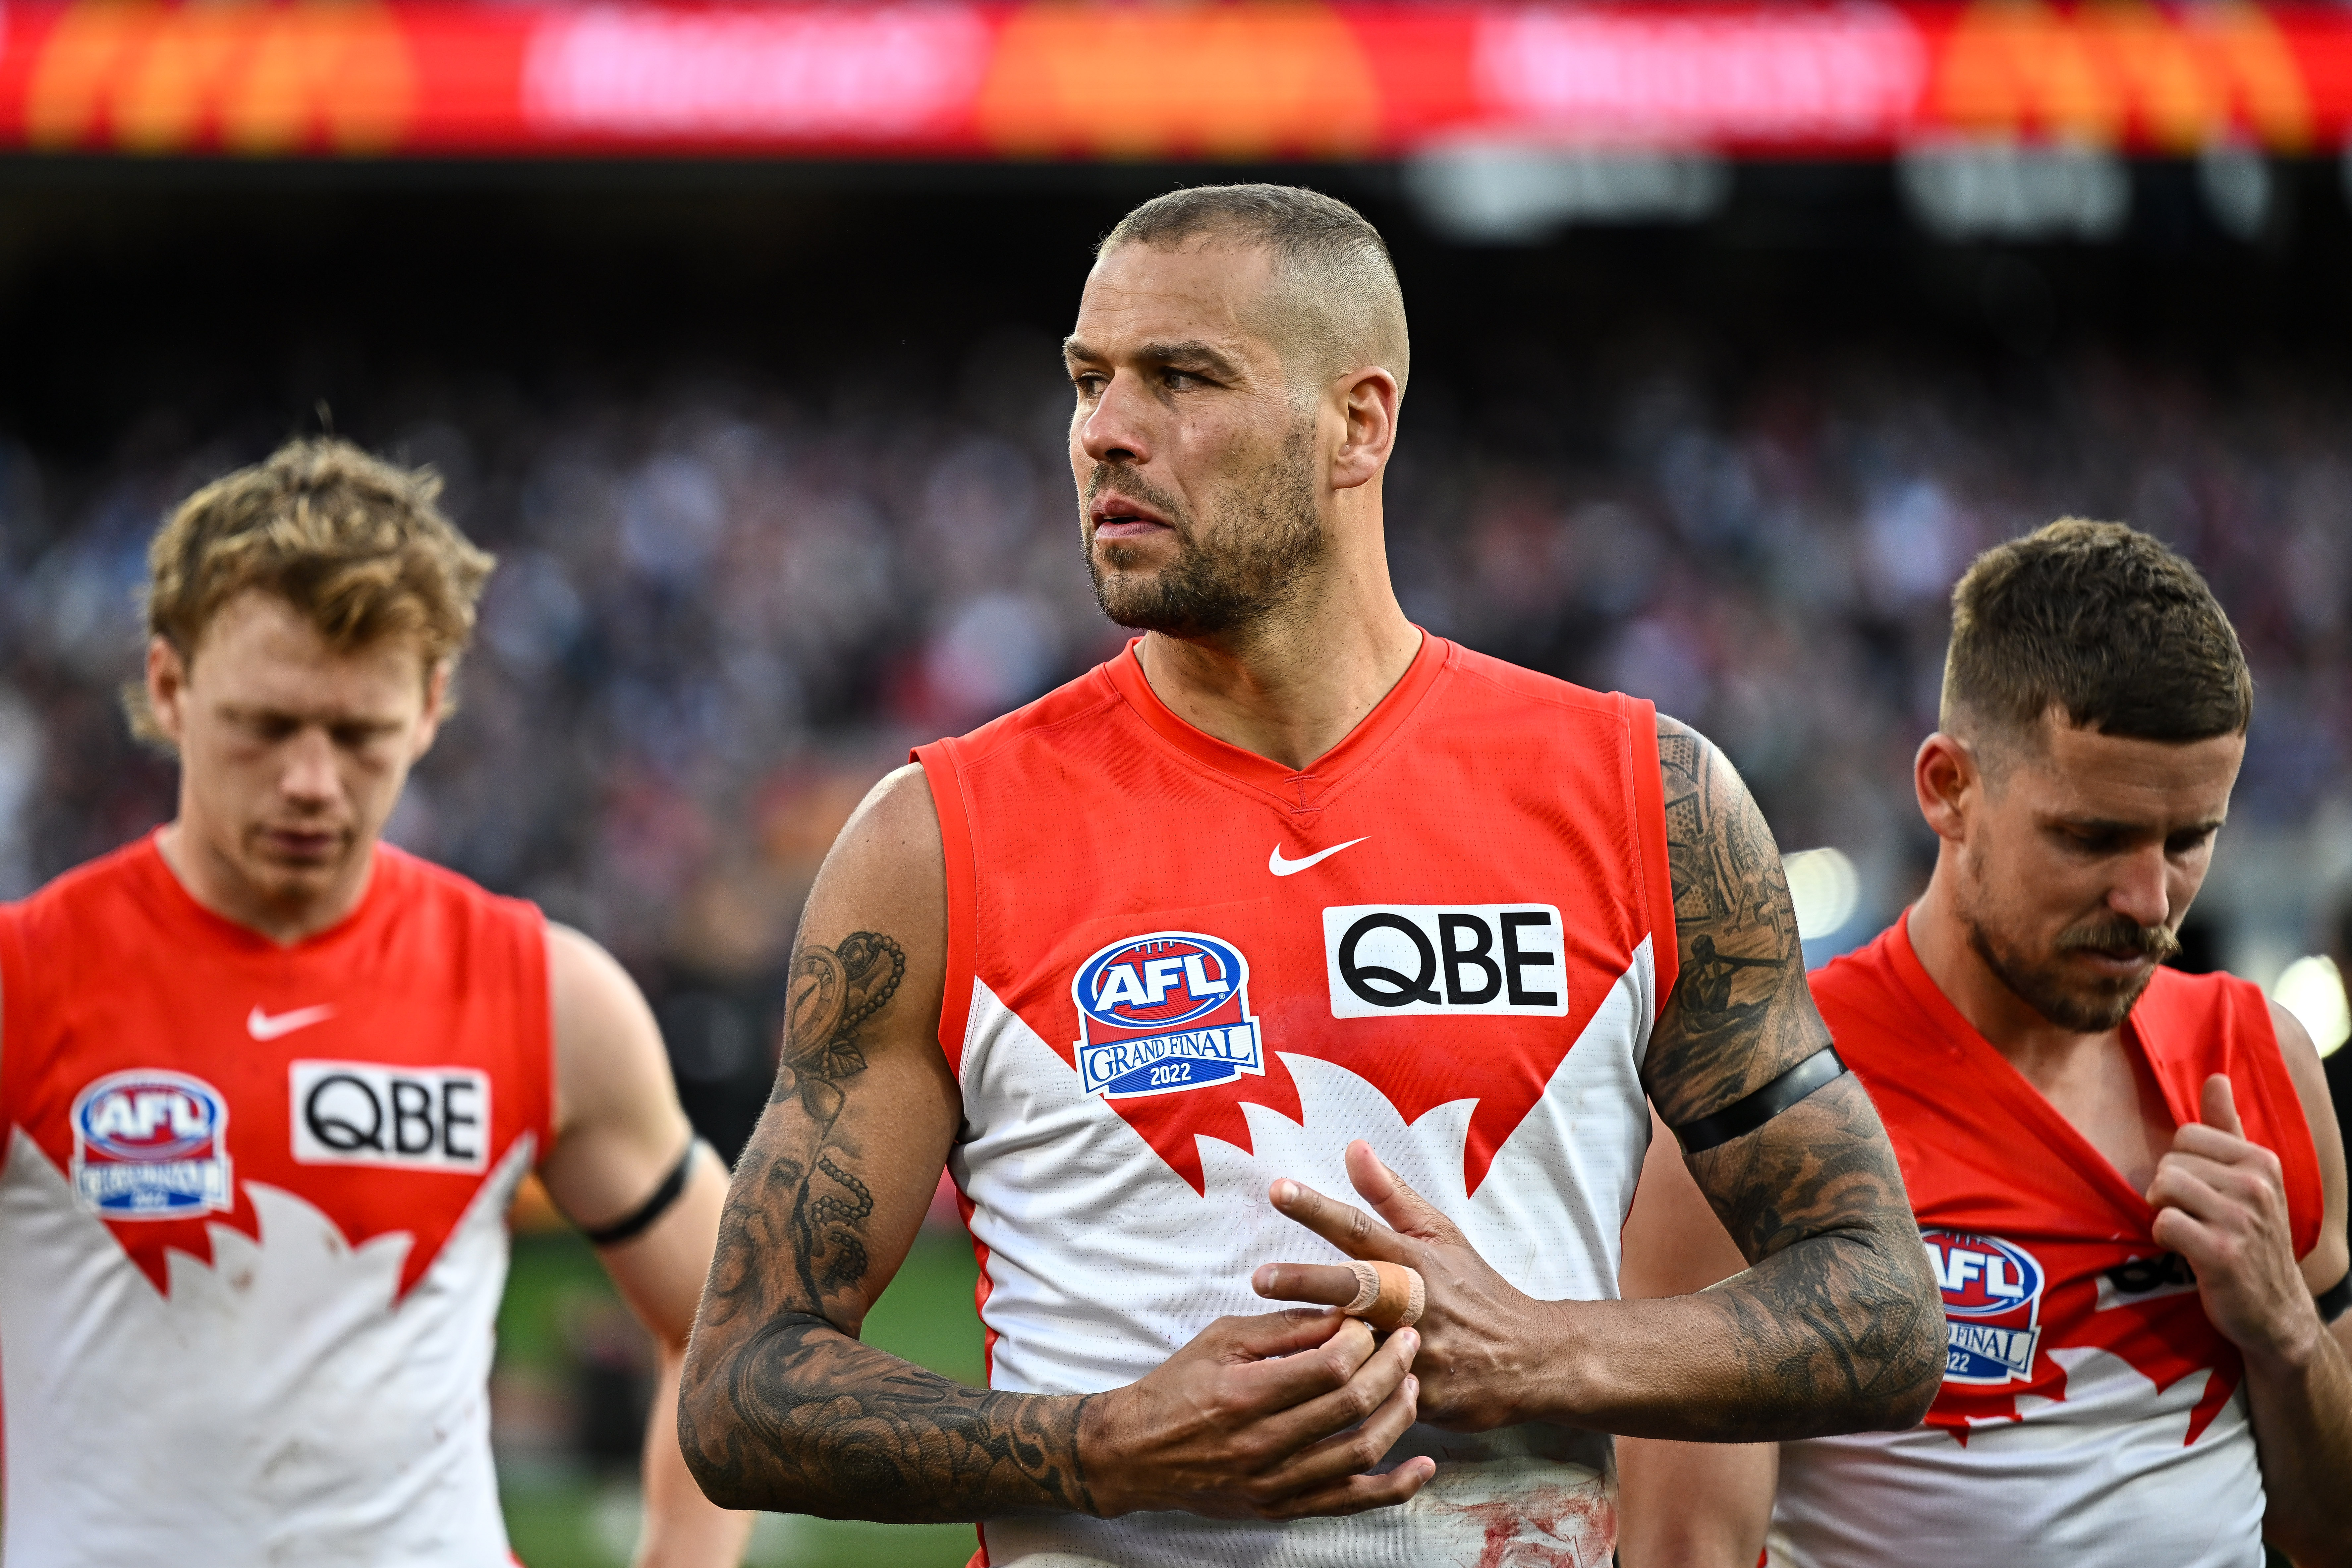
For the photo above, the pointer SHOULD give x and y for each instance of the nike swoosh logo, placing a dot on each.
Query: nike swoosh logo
(262, 1026)
(1282, 868)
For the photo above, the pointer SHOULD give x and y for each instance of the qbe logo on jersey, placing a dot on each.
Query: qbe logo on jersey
(1386, 960)
(1992, 1306)
(367, 1113)
(150, 1144)
(1164, 1012)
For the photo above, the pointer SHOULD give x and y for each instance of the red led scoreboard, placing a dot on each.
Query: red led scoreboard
(942, 80)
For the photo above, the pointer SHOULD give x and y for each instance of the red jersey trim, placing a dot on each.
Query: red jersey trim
(942, 771)
(1656, 878)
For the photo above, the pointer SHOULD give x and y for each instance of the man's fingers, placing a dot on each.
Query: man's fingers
(1282, 1383)
(1359, 1494)
(1351, 1452)
(1367, 1396)
(2177, 1230)
(2220, 1106)
(1393, 1201)
(1344, 1226)
(1332, 1284)
(1271, 1335)
(2180, 1187)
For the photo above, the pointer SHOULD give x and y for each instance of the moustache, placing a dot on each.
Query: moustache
(1132, 484)
(2117, 936)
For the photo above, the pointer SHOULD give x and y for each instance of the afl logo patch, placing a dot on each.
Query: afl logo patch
(151, 1145)
(1992, 1306)
(1164, 1012)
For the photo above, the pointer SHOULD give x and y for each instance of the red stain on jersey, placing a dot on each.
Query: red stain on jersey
(1572, 1529)
(153, 1045)
(1472, 782)
(1988, 1159)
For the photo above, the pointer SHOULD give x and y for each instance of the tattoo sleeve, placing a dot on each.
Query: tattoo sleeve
(781, 1407)
(1837, 1325)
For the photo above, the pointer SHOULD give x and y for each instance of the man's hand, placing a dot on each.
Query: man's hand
(2221, 1203)
(1477, 1327)
(1280, 1416)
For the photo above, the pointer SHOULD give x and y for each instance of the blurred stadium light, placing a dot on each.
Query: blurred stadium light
(2312, 988)
(1483, 194)
(2002, 191)
(1825, 889)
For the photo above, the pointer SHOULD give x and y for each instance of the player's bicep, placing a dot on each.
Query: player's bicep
(2326, 1263)
(1740, 1014)
(829, 1193)
(619, 1130)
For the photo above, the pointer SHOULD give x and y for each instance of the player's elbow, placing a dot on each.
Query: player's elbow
(1911, 1317)
(735, 1465)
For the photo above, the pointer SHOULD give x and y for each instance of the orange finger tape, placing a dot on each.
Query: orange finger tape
(1389, 1296)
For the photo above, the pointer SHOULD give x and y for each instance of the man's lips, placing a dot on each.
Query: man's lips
(1116, 517)
(302, 844)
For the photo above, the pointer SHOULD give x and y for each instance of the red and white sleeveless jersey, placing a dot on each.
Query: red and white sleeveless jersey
(2091, 1414)
(1178, 971)
(253, 1218)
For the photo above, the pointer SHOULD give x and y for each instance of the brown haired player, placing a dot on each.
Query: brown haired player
(268, 1086)
(2129, 1181)
(1290, 895)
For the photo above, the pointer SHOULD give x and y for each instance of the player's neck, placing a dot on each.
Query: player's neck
(213, 881)
(1293, 688)
(2042, 1050)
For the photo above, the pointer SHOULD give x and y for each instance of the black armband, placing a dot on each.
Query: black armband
(635, 1222)
(2337, 1299)
(1747, 1115)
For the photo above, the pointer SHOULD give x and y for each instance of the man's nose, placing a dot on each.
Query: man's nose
(309, 770)
(2140, 893)
(1114, 431)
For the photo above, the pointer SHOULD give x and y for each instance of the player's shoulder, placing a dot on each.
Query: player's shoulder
(1480, 678)
(92, 898)
(1073, 715)
(415, 888)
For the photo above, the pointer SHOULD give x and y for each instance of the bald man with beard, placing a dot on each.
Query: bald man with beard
(1290, 900)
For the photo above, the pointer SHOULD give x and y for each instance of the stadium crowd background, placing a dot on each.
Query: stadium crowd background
(774, 469)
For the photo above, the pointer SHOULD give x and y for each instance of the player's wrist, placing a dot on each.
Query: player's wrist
(1106, 1483)
(1561, 1382)
(2286, 1345)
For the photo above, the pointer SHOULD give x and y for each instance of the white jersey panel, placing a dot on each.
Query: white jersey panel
(2102, 1478)
(1102, 1261)
(282, 1403)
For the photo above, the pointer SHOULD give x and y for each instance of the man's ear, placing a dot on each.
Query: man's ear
(167, 689)
(1948, 777)
(1368, 399)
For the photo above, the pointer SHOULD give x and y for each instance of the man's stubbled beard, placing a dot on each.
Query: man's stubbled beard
(1232, 569)
(2044, 987)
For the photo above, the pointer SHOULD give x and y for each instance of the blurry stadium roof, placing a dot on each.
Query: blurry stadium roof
(1288, 80)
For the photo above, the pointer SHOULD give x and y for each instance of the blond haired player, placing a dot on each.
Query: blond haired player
(268, 1085)
(1286, 899)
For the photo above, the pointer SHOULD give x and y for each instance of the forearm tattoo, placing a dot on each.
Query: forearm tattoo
(1839, 1317)
(779, 1408)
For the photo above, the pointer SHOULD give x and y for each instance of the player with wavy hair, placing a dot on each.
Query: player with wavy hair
(269, 1085)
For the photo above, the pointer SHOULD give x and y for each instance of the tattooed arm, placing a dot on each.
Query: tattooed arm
(783, 1408)
(1835, 1328)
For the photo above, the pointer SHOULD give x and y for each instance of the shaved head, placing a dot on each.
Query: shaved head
(1332, 303)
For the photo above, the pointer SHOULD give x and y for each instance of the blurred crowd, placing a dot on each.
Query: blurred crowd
(724, 607)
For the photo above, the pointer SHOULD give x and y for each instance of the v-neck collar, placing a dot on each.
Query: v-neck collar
(172, 895)
(1307, 789)
(1999, 1076)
